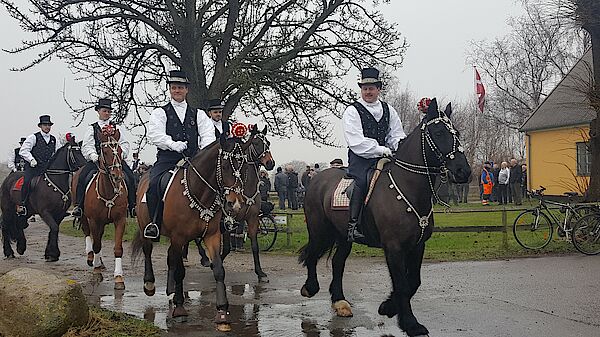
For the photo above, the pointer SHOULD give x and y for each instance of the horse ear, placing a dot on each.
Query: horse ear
(448, 110)
(432, 110)
(264, 131)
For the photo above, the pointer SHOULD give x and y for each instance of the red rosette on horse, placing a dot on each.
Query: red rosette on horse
(108, 130)
(239, 130)
(423, 104)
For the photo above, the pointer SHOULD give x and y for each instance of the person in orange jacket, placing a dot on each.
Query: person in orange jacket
(487, 180)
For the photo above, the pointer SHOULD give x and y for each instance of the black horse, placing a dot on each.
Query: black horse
(49, 196)
(397, 217)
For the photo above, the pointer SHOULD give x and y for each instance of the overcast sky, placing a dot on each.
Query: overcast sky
(434, 65)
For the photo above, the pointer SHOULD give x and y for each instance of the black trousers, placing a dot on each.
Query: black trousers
(162, 165)
(30, 173)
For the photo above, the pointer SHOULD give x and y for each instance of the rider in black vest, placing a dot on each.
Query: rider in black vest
(91, 151)
(372, 129)
(215, 112)
(37, 149)
(15, 161)
(178, 131)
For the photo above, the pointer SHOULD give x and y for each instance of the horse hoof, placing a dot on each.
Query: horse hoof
(263, 279)
(205, 262)
(223, 327)
(342, 308)
(90, 259)
(51, 258)
(119, 283)
(386, 308)
(149, 289)
(306, 293)
(180, 319)
(179, 314)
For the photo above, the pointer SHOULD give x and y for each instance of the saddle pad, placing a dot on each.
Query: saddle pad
(18, 184)
(174, 173)
(89, 184)
(340, 200)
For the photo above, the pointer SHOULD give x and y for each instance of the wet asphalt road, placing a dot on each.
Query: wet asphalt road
(548, 296)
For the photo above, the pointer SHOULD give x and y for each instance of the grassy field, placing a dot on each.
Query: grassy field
(106, 323)
(441, 247)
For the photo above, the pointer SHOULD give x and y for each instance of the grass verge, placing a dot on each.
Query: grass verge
(106, 323)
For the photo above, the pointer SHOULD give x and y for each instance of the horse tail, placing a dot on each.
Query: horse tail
(315, 250)
(137, 246)
(9, 221)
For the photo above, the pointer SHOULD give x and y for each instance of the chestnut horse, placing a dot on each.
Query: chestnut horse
(207, 186)
(105, 202)
(49, 197)
(398, 216)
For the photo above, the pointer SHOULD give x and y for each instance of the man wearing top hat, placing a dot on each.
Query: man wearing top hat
(37, 149)
(372, 129)
(15, 161)
(215, 112)
(178, 131)
(90, 148)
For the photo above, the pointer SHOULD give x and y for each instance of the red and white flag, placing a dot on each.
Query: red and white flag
(479, 91)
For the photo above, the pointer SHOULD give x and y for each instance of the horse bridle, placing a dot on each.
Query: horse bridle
(426, 169)
(113, 144)
(58, 172)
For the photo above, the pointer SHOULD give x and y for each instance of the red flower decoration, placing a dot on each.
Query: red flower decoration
(424, 104)
(108, 130)
(239, 130)
(69, 136)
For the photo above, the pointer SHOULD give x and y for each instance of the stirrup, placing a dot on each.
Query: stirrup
(149, 227)
(354, 234)
(21, 210)
(77, 212)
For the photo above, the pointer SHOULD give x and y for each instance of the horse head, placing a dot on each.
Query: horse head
(443, 139)
(110, 159)
(68, 157)
(260, 152)
(231, 169)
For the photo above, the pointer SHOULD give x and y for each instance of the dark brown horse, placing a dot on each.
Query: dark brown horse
(105, 202)
(209, 185)
(259, 154)
(49, 197)
(398, 216)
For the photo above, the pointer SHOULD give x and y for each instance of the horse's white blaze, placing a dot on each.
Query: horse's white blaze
(118, 267)
(97, 260)
(88, 244)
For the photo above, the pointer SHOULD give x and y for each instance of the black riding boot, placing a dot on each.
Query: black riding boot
(356, 203)
(79, 195)
(152, 230)
(131, 189)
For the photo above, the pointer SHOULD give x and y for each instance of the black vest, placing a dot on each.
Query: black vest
(97, 131)
(188, 131)
(372, 128)
(42, 151)
(226, 130)
(19, 161)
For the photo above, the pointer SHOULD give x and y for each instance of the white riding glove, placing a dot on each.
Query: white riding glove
(33, 162)
(387, 152)
(179, 146)
(94, 157)
(14, 170)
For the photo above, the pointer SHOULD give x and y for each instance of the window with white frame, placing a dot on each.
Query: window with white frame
(584, 159)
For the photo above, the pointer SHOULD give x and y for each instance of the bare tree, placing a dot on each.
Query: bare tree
(523, 66)
(280, 60)
(405, 103)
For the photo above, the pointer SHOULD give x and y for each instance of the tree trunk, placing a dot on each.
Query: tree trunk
(593, 192)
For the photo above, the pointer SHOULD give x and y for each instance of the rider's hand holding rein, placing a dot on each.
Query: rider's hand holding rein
(94, 157)
(179, 146)
(387, 152)
(33, 162)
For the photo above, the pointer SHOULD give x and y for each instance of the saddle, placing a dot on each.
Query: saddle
(18, 185)
(340, 200)
(164, 183)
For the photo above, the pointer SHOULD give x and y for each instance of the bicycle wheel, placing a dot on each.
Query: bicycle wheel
(586, 234)
(532, 229)
(267, 232)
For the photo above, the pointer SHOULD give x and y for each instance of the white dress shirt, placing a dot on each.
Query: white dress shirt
(29, 143)
(157, 127)
(368, 147)
(11, 160)
(88, 147)
(218, 125)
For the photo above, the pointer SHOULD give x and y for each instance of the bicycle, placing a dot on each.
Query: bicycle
(586, 234)
(266, 235)
(533, 228)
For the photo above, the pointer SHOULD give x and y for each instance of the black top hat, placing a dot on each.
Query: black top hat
(45, 119)
(104, 103)
(215, 104)
(336, 161)
(22, 140)
(177, 76)
(369, 76)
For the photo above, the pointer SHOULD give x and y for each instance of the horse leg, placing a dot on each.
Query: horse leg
(252, 232)
(118, 274)
(149, 287)
(52, 253)
(226, 243)
(85, 227)
(321, 237)
(97, 231)
(338, 301)
(204, 261)
(8, 251)
(401, 294)
(213, 246)
(175, 276)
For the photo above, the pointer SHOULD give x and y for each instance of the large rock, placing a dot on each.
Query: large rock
(35, 303)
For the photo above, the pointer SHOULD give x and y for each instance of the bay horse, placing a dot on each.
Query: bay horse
(397, 216)
(105, 202)
(209, 185)
(259, 154)
(49, 196)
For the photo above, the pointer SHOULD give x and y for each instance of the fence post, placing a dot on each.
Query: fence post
(288, 230)
(504, 229)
